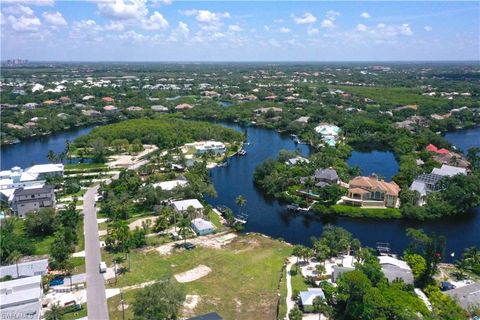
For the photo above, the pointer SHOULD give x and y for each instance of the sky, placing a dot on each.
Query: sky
(169, 30)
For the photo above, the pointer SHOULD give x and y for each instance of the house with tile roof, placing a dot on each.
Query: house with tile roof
(372, 192)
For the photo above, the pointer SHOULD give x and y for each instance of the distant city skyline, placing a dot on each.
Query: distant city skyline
(165, 30)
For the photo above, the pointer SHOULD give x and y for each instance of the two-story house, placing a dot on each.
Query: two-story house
(372, 192)
(28, 199)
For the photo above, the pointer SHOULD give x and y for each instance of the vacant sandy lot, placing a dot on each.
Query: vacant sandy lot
(138, 223)
(215, 241)
(193, 274)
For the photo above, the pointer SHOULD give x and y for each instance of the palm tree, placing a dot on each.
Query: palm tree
(68, 269)
(51, 156)
(55, 313)
(472, 254)
(240, 202)
(14, 257)
(117, 260)
(184, 225)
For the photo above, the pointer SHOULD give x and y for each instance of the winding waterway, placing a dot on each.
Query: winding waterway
(267, 215)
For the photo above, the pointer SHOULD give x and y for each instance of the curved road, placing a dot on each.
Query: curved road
(96, 298)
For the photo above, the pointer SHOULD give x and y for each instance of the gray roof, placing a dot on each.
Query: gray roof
(326, 174)
(29, 191)
(420, 187)
(393, 272)
(25, 269)
(337, 271)
(466, 296)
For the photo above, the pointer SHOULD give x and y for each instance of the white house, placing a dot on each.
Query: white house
(170, 185)
(329, 132)
(182, 205)
(307, 297)
(394, 268)
(294, 161)
(25, 269)
(20, 298)
(202, 227)
(216, 147)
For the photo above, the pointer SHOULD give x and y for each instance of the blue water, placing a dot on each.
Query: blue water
(382, 163)
(269, 216)
(464, 139)
(34, 150)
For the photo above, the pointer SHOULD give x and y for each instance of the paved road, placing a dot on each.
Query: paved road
(290, 302)
(96, 298)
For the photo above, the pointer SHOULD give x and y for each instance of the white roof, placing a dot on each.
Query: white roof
(45, 168)
(420, 187)
(449, 171)
(201, 224)
(393, 261)
(25, 268)
(182, 205)
(20, 291)
(308, 296)
(170, 185)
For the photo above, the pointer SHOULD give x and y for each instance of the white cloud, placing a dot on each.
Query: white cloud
(188, 13)
(18, 10)
(405, 30)
(133, 36)
(284, 30)
(115, 26)
(54, 18)
(87, 30)
(155, 22)
(123, 9)
(183, 28)
(312, 31)
(234, 28)
(206, 16)
(332, 15)
(307, 18)
(157, 3)
(365, 15)
(326, 23)
(267, 28)
(361, 27)
(24, 23)
(428, 28)
(31, 2)
(182, 31)
(274, 43)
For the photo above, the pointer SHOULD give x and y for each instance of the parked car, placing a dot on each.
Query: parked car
(56, 282)
(102, 267)
(445, 286)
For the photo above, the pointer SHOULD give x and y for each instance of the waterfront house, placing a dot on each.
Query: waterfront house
(394, 268)
(307, 297)
(215, 147)
(182, 206)
(430, 182)
(202, 227)
(339, 270)
(20, 298)
(135, 108)
(330, 133)
(110, 108)
(372, 192)
(266, 110)
(325, 177)
(28, 199)
(294, 161)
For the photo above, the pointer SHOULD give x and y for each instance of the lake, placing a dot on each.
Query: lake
(34, 150)
(269, 216)
(382, 163)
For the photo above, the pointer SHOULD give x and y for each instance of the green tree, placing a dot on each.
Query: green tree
(295, 314)
(55, 313)
(161, 300)
(14, 257)
(240, 201)
(184, 226)
(40, 223)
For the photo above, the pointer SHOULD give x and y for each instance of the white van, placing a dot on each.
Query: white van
(102, 267)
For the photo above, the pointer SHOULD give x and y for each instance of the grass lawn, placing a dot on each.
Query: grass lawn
(76, 314)
(298, 283)
(215, 219)
(243, 283)
(282, 313)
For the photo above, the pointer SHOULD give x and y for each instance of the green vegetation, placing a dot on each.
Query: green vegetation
(161, 300)
(163, 132)
(356, 212)
(248, 268)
